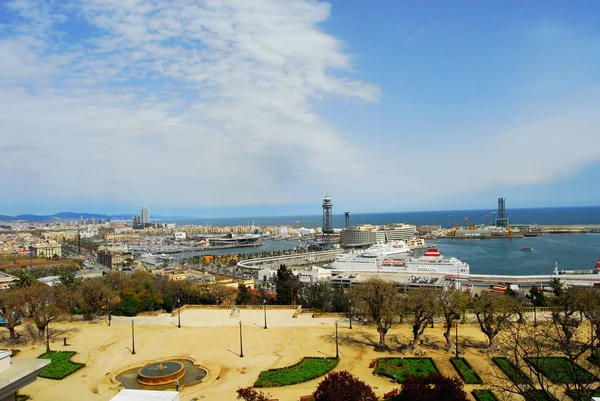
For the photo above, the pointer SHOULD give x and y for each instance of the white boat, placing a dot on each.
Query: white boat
(432, 262)
(386, 249)
(375, 258)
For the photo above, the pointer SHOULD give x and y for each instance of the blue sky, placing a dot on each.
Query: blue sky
(233, 108)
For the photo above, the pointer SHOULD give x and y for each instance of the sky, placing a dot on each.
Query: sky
(234, 108)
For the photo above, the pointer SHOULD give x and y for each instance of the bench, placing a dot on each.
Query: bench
(307, 398)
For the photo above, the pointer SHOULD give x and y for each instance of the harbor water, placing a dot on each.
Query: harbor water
(504, 256)
(489, 256)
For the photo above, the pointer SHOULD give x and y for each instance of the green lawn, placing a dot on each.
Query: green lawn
(484, 395)
(538, 395)
(400, 368)
(559, 370)
(465, 370)
(307, 369)
(509, 369)
(60, 366)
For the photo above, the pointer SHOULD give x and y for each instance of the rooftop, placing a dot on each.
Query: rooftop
(146, 395)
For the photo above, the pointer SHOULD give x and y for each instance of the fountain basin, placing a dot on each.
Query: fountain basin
(159, 373)
(192, 374)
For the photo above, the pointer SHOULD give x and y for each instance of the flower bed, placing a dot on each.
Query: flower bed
(307, 369)
(509, 369)
(559, 370)
(399, 368)
(538, 395)
(465, 370)
(60, 365)
(484, 395)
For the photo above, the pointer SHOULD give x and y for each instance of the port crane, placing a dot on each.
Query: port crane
(468, 224)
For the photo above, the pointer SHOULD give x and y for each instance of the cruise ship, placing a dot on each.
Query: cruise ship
(373, 258)
(376, 259)
(433, 262)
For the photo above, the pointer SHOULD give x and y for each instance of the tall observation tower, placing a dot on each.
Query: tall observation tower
(327, 219)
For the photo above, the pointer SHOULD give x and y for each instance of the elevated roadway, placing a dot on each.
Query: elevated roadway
(290, 260)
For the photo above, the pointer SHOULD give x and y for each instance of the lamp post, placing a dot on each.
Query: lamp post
(337, 352)
(48, 337)
(177, 385)
(109, 314)
(534, 316)
(179, 313)
(132, 337)
(456, 325)
(241, 342)
(350, 303)
(265, 308)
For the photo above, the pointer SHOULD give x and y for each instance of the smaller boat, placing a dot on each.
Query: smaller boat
(527, 249)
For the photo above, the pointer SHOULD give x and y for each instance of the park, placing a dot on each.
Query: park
(210, 337)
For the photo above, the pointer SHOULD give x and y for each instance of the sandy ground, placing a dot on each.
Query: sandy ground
(211, 338)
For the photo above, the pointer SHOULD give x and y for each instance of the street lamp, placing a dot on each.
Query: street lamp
(179, 313)
(337, 353)
(534, 316)
(177, 385)
(241, 343)
(48, 337)
(132, 337)
(456, 325)
(109, 313)
(265, 308)
(350, 303)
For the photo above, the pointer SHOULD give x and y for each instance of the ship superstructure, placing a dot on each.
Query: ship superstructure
(385, 258)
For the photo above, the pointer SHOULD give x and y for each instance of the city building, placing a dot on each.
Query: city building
(16, 373)
(145, 215)
(114, 256)
(365, 235)
(6, 280)
(47, 249)
(179, 235)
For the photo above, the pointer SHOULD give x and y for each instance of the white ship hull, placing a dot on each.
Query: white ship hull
(427, 264)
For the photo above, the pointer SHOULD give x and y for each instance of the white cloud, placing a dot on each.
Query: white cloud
(195, 103)
(209, 100)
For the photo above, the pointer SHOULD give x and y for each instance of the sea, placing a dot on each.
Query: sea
(544, 216)
(488, 256)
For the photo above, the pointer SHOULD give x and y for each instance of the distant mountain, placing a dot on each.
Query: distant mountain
(68, 216)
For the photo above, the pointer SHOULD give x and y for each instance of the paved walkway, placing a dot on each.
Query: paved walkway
(224, 318)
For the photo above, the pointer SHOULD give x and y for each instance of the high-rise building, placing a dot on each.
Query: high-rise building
(145, 215)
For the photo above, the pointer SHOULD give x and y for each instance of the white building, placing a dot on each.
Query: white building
(179, 235)
(282, 231)
(16, 373)
(306, 231)
(47, 249)
(266, 274)
(146, 395)
(314, 275)
(145, 215)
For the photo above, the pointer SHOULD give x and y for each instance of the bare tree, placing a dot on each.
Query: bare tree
(528, 346)
(11, 308)
(379, 299)
(452, 302)
(493, 313)
(422, 304)
(45, 304)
